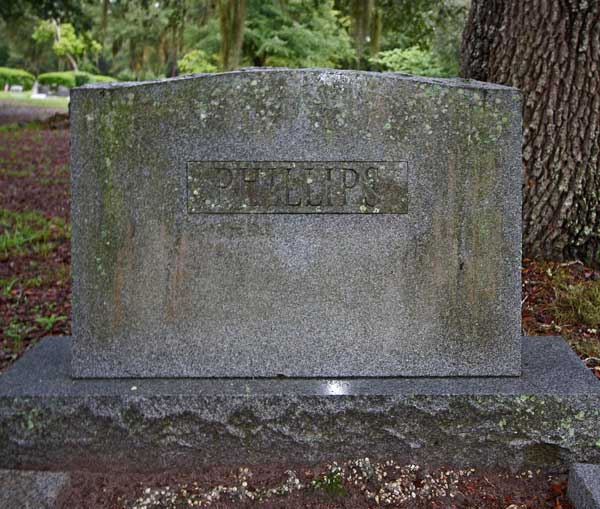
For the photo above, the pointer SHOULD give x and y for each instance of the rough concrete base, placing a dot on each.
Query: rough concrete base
(584, 486)
(31, 490)
(549, 416)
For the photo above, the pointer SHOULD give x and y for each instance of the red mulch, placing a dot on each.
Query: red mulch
(34, 171)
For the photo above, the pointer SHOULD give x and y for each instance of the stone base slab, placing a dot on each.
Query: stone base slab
(584, 486)
(31, 490)
(549, 416)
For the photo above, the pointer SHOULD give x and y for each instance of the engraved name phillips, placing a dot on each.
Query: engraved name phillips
(301, 187)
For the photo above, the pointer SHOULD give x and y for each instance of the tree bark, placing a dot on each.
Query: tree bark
(232, 17)
(550, 50)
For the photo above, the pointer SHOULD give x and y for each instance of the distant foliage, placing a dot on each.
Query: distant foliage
(423, 37)
(95, 78)
(196, 61)
(446, 38)
(298, 34)
(70, 79)
(141, 39)
(410, 61)
(55, 79)
(16, 77)
(65, 41)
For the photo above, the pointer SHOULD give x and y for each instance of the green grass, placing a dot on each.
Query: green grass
(24, 99)
(17, 331)
(50, 181)
(7, 128)
(33, 282)
(331, 482)
(7, 285)
(15, 173)
(23, 233)
(587, 348)
(577, 303)
(48, 322)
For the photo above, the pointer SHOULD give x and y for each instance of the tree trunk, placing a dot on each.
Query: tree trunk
(376, 29)
(104, 21)
(73, 62)
(361, 11)
(174, 53)
(550, 50)
(232, 16)
(57, 38)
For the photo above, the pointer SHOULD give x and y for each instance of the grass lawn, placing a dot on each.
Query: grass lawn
(24, 99)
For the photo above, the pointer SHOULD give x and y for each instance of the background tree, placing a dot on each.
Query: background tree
(362, 13)
(65, 41)
(148, 39)
(232, 17)
(172, 40)
(138, 38)
(67, 11)
(297, 33)
(412, 36)
(18, 21)
(551, 51)
(19, 50)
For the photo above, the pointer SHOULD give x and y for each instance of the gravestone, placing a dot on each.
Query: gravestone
(315, 223)
(297, 223)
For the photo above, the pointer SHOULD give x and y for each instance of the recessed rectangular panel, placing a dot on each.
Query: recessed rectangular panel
(297, 187)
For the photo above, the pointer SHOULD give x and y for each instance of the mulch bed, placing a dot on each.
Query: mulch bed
(540, 293)
(302, 486)
(34, 175)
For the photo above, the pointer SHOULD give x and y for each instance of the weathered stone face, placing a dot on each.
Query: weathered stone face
(296, 222)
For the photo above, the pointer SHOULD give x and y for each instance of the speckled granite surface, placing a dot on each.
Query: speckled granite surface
(419, 276)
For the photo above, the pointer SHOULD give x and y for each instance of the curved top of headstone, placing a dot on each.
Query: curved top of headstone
(318, 73)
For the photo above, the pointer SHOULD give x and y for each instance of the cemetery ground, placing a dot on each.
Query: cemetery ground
(19, 107)
(558, 299)
(24, 99)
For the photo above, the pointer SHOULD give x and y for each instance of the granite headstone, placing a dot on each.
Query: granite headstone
(296, 222)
